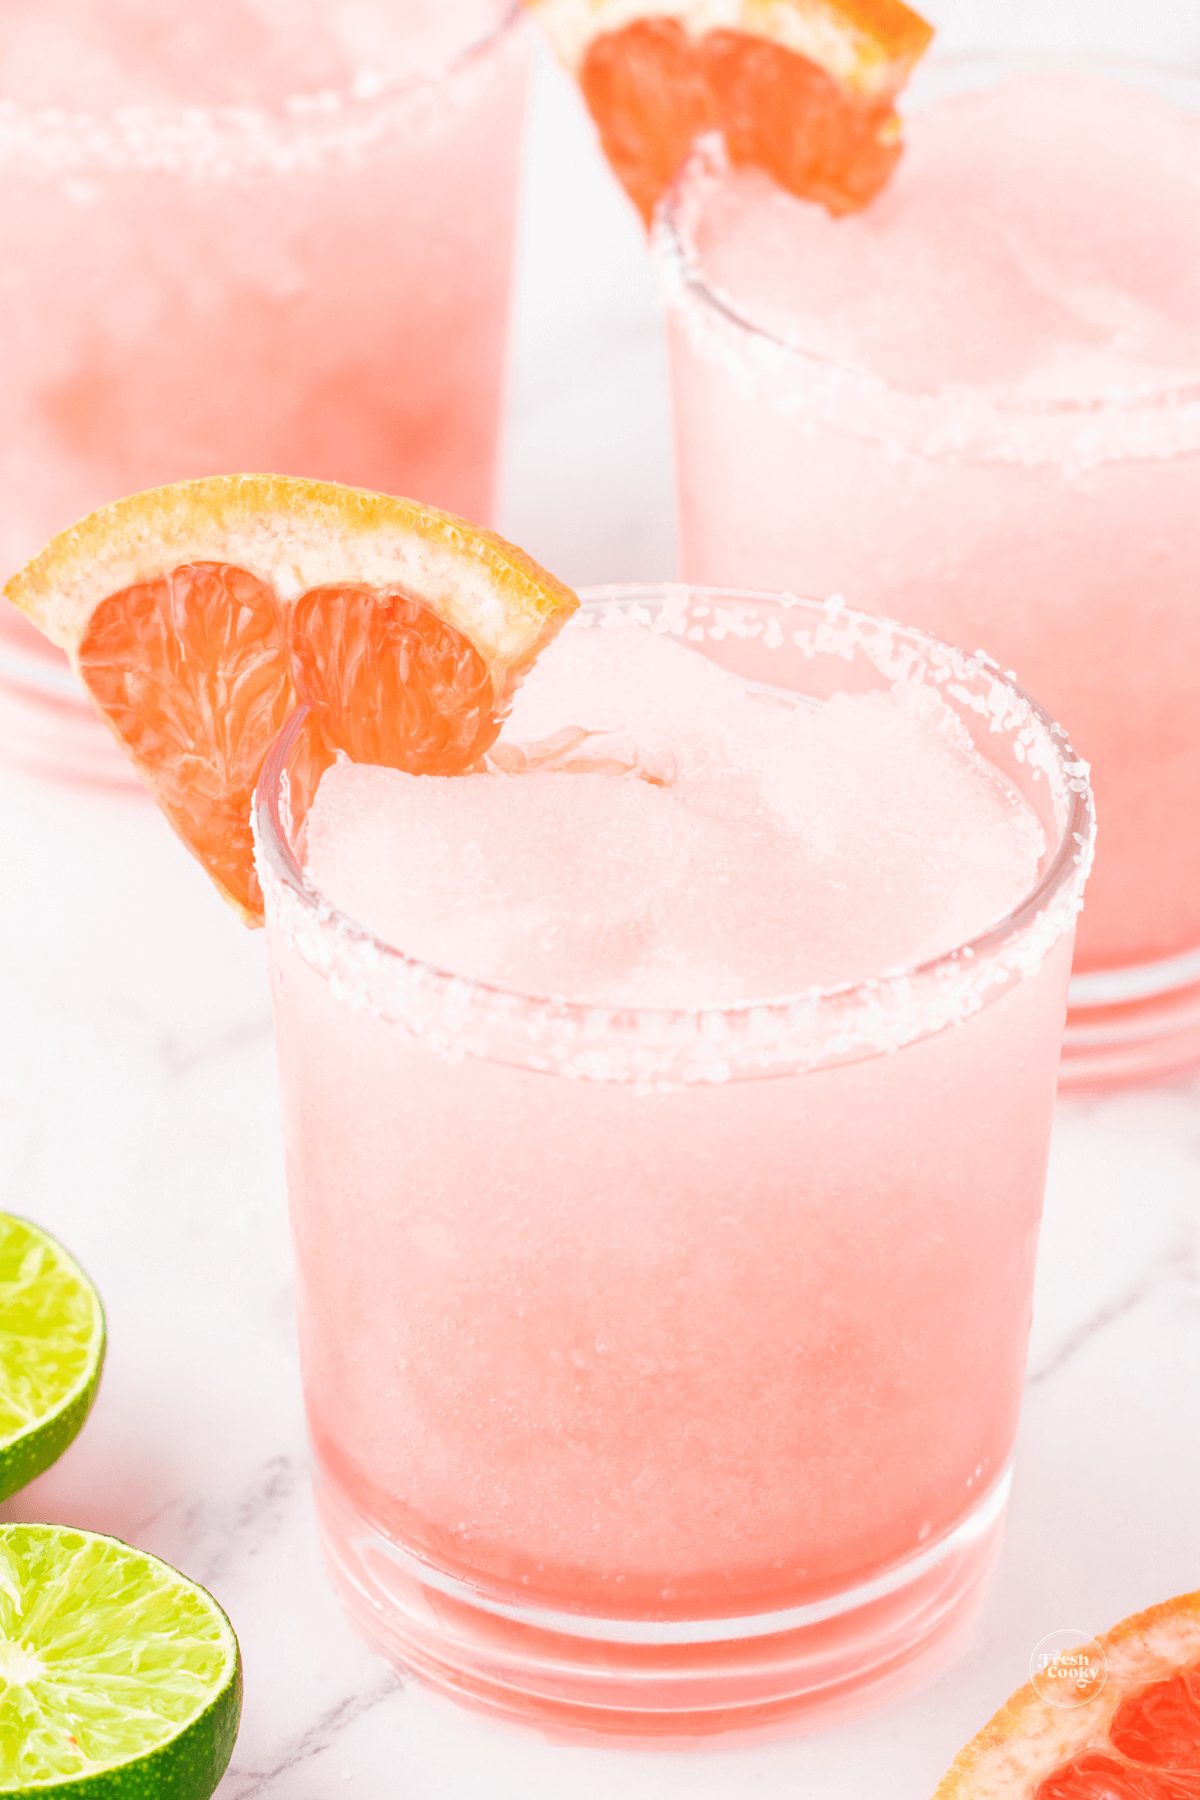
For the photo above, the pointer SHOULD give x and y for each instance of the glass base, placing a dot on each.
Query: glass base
(574, 1674)
(1131, 1026)
(47, 727)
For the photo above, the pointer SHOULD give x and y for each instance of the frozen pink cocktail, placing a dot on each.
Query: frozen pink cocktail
(976, 406)
(666, 1112)
(240, 237)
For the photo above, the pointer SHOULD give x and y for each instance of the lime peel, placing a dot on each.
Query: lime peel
(121, 1679)
(52, 1344)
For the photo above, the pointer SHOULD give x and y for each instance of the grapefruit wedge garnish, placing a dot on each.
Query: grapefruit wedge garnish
(801, 88)
(1136, 1738)
(198, 617)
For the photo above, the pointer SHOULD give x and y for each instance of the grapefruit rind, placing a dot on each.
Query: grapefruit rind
(177, 609)
(1028, 1739)
(869, 47)
(297, 535)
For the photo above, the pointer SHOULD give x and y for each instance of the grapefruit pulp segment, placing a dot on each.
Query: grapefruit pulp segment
(191, 673)
(801, 88)
(1095, 1776)
(390, 682)
(1162, 1724)
(785, 115)
(293, 535)
(647, 90)
(198, 615)
(1136, 1738)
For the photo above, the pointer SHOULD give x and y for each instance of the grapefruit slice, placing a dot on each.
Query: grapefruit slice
(801, 88)
(1138, 1738)
(198, 616)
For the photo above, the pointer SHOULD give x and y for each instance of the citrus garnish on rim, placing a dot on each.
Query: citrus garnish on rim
(51, 1351)
(118, 1677)
(198, 616)
(801, 88)
(1137, 1737)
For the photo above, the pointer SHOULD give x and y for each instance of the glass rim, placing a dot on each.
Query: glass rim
(182, 124)
(1075, 837)
(686, 280)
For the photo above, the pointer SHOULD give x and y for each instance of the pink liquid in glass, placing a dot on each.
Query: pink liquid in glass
(663, 1337)
(976, 406)
(244, 237)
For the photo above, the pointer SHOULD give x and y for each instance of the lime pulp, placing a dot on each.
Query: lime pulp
(51, 1350)
(119, 1678)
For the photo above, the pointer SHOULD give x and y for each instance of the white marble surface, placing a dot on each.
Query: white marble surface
(138, 1122)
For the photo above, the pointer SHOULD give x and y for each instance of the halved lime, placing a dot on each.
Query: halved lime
(51, 1349)
(119, 1678)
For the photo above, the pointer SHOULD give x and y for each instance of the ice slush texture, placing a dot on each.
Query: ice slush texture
(1032, 242)
(624, 1312)
(978, 410)
(703, 843)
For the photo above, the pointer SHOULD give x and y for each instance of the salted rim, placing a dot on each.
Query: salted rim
(778, 370)
(961, 980)
(219, 140)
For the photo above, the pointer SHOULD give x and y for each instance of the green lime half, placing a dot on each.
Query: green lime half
(119, 1678)
(51, 1349)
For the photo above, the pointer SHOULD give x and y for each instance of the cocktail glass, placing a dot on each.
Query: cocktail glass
(1062, 533)
(662, 1368)
(234, 246)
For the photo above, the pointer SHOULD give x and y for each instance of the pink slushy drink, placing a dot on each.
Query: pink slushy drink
(976, 406)
(666, 1109)
(244, 237)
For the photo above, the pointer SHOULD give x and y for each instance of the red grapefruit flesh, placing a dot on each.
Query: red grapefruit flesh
(802, 88)
(199, 616)
(1136, 1738)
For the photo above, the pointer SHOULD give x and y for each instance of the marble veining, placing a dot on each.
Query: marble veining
(1175, 1267)
(181, 1054)
(322, 1735)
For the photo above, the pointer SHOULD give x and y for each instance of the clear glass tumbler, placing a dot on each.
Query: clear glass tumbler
(1046, 510)
(662, 1368)
(244, 238)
